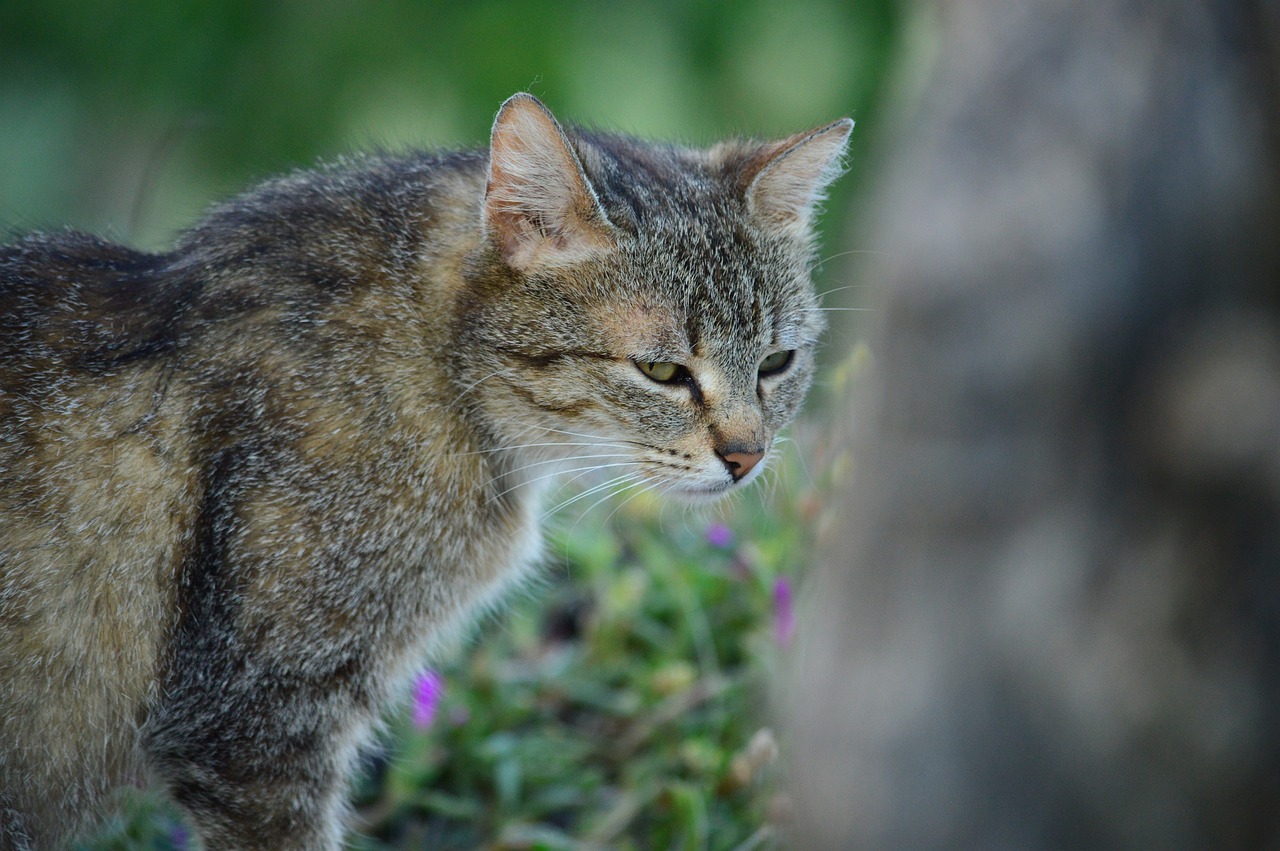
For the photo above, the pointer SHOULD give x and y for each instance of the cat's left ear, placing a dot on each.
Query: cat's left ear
(787, 180)
(540, 209)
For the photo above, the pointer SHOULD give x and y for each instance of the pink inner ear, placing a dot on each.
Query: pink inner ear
(512, 229)
(539, 205)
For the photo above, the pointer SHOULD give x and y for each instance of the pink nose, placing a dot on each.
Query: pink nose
(741, 463)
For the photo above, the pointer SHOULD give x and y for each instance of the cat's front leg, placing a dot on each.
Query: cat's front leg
(259, 764)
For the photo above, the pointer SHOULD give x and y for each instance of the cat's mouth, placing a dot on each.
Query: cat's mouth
(702, 491)
(698, 494)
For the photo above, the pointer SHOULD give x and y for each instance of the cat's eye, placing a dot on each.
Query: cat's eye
(661, 370)
(775, 363)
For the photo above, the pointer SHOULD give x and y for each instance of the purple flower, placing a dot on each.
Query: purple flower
(784, 614)
(178, 837)
(427, 690)
(719, 535)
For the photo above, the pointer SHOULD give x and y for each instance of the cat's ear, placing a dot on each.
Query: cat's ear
(539, 207)
(787, 180)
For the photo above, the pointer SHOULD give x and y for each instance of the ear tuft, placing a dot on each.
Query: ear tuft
(787, 180)
(539, 207)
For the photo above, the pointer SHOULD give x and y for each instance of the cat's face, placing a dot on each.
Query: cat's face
(712, 355)
(661, 332)
(670, 369)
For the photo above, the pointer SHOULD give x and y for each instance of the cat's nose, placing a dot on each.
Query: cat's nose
(740, 463)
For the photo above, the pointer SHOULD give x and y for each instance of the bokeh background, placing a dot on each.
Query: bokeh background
(128, 118)
(623, 703)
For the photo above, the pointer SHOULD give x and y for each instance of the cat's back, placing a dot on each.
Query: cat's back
(88, 330)
(87, 334)
(68, 297)
(81, 320)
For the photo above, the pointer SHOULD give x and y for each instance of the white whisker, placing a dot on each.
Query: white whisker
(472, 386)
(569, 433)
(852, 252)
(803, 465)
(826, 293)
(569, 481)
(769, 486)
(553, 475)
(520, 446)
(639, 481)
(628, 499)
(594, 489)
(562, 460)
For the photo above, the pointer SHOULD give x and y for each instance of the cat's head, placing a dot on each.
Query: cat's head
(640, 308)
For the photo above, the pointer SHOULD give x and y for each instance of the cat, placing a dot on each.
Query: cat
(248, 483)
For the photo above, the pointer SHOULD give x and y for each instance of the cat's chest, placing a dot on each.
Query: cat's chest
(389, 547)
(456, 564)
(463, 536)
(474, 537)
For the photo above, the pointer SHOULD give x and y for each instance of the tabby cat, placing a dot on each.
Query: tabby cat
(246, 484)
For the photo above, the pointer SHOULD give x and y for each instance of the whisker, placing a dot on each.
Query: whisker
(569, 481)
(625, 501)
(826, 293)
(612, 442)
(520, 446)
(639, 482)
(552, 475)
(560, 460)
(596, 488)
(582, 515)
(593, 437)
(689, 512)
(635, 478)
(472, 386)
(769, 487)
(803, 464)
(850, 253)
(721, 507)
(578, 472)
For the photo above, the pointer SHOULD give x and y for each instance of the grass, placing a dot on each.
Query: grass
(620, 705)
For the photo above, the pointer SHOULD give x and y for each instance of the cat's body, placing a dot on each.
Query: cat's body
(245, 485)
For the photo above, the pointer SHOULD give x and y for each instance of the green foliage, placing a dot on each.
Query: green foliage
(616, 710)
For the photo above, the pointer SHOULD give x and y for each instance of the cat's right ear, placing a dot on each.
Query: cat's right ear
(540, 209)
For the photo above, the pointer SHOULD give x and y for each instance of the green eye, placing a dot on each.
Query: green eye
(776, 362)
(661, 370)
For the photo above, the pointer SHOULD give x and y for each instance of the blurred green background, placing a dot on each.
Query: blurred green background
(631, 729)
(128, 118)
